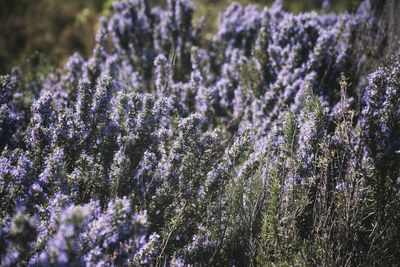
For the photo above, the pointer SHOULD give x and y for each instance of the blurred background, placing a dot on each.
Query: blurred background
(38, 35)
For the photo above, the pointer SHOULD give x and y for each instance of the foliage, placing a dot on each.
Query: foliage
(158, 149)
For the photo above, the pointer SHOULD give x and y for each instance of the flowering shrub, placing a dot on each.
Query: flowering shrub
(161, 150)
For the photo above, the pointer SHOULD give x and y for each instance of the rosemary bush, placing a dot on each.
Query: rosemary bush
(253, 149)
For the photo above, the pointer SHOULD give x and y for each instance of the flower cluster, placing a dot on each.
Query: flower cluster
(162, 150)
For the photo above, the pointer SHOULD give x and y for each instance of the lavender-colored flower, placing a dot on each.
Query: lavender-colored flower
(159, 149)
